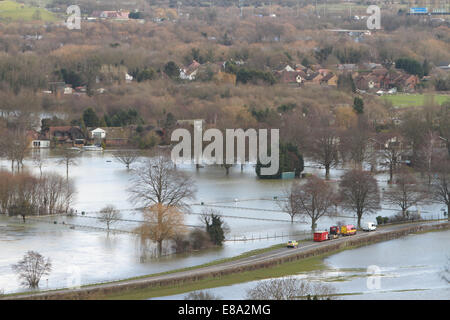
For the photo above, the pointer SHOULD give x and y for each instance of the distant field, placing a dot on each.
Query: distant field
(411, 100)
(11, 10)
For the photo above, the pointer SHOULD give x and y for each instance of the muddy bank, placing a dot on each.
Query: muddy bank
(101, 290)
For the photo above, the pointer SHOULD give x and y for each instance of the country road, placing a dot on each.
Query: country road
(229, 266)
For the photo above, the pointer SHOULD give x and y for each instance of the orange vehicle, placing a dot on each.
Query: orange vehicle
(348, 230)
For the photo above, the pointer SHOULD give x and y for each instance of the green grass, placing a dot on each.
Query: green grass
(285, 269)
(414, 100)
(14, 11)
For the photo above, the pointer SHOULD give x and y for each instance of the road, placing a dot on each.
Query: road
(275, 254)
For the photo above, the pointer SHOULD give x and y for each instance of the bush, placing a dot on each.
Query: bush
(194, 241)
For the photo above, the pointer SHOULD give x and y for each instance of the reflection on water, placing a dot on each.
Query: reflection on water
(247, 202)
(409, 268)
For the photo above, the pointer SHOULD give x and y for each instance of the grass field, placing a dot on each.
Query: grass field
(14, 11)
(285, 269)
(412, 100)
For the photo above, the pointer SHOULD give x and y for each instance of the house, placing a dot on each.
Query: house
(381, 80)
(68, 89)
(57, 88)
(189, 72)
(97, 134)
(39, 144)
(289, 75)
(128, 78)
(112, 136)
(64, 134)
(313, 78)
(115, 15)
(329, 79)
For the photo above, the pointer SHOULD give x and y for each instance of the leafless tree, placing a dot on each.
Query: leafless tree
(157, 182)
(441, 184)
(68, 158)
(109, 215)
(127, 157)
(427, 153)
(201, 295)
(39, 161)
(406, 193)
(324, 145)
(164, 193)
(392, 150)
(315, 199)
(359, 193)
(15, 146)
(31, 269)
(355, 144)
(289, 202)
(290, 288)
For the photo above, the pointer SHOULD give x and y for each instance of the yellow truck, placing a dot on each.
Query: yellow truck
(348, 230)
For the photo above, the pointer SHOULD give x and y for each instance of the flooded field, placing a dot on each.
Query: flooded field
(408, 268)
(93, 255)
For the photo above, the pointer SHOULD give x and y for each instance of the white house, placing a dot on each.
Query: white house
(128, 78)
(98, 134)
(37, 144)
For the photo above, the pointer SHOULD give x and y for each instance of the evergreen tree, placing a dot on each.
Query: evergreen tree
(215, 227)
(358, 105)
(90, 118)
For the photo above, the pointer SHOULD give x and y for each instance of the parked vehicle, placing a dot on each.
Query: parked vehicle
(348, 230)
(334, 232)
(320, 236)
(292, 244)
(369, 226)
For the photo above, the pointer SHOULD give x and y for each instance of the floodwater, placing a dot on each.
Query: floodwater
(413, 267)
(90, 255)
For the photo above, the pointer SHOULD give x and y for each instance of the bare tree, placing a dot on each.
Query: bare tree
(109, 215)
(359, 193)
(290, 288)
(31, 269)
(441, 184)
(406, 193)
(157, 182)
(355, 144)
(68, 158)
(324, 145)
(127, 157)
(392, 150)
(15, 146)
(289, 202)
(164, 193)
(39, 161)
(426, 154)
(201, 295)
(315, 199)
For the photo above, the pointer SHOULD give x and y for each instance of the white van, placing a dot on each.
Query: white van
(369, 226)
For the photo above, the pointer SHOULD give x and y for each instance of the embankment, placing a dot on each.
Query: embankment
(244, 265)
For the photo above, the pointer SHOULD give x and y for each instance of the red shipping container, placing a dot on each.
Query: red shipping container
(320, 236)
